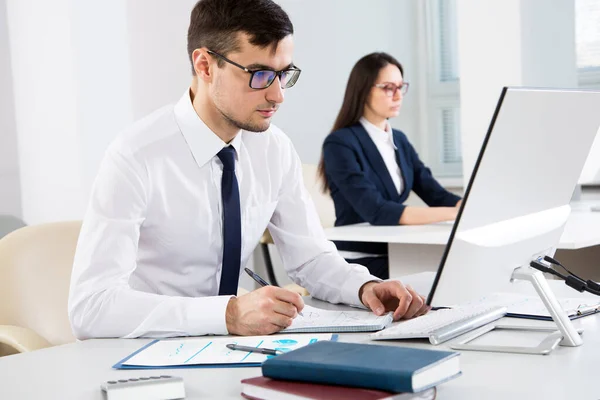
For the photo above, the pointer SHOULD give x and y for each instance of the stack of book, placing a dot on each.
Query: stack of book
(334, 370)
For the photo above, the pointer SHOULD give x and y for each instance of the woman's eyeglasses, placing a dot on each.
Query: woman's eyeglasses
(263, 78)
(390, 88)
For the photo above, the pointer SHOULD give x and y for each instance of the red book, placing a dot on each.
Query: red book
(261, 388)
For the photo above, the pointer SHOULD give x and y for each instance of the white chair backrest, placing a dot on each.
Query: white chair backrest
(35, 272)
(323, 201)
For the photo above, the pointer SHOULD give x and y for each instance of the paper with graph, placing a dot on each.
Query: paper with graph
(319, 320)
(210, 351)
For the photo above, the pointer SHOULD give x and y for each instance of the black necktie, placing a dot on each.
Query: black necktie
(232, 224)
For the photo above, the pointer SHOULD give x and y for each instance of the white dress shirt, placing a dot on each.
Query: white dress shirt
(384, 141)
(148, 260)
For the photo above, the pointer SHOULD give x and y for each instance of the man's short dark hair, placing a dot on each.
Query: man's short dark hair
(215, 24)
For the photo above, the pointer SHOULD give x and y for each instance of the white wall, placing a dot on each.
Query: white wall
(159, 68)
(95, 65)
(10, 190)
(101, 68)
(548, 37)
(45, 109)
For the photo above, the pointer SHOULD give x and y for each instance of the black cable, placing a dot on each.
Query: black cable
(576, 283)
(590, 284)
(571, 281)
(593, 285)
(556, 262)
(541, 267)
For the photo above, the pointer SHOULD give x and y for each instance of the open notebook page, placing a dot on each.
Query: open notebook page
(319, 320)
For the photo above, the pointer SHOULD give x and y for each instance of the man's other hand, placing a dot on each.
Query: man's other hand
(382, 297)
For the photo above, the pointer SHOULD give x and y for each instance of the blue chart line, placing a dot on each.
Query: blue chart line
(285, 342)
(198, 352)
(258, 345)
(177, 350)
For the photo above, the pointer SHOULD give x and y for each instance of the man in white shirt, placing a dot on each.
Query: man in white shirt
(183, 196)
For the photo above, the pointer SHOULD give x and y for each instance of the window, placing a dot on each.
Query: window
(587, 37)
(442, 119)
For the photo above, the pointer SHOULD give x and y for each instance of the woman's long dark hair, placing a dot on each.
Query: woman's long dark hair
(361, 80)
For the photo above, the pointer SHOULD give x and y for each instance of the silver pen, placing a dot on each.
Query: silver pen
(261, 350)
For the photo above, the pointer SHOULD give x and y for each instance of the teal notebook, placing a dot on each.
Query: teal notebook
(390, 368)
(316, 320)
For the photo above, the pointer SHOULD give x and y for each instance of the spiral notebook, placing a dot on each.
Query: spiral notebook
(318, 320)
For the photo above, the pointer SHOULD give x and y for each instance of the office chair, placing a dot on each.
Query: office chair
(35, 273)
(325, 209)
(35, 266)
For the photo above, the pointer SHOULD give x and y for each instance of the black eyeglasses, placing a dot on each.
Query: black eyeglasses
(390, 89)
(263, 78)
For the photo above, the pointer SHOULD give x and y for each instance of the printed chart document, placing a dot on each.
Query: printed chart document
(319, 320)
(211, 351)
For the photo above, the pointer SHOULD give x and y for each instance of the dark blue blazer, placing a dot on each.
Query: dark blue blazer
(362, 188)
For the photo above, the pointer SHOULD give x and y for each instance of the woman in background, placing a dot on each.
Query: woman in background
(370, 168)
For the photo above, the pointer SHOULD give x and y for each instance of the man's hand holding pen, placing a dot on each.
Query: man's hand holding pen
(263, 311)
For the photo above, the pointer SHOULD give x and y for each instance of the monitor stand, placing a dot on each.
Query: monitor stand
(566, 335)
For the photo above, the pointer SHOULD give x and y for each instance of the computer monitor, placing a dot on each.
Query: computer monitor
(590, 175)
(517, 201)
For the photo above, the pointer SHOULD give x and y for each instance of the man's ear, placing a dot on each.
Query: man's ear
(202, 64)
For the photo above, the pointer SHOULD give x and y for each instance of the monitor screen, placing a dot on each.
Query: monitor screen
(517, 201)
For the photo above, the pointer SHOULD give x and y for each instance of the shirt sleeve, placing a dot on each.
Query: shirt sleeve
(101, 302)
(309, 258)
(426, 186)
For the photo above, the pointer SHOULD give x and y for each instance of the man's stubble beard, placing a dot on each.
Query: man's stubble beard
(246, 126)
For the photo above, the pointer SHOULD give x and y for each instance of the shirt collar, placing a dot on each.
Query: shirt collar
(376, 133)
(203, 142)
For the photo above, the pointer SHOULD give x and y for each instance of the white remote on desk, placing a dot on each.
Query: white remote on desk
(163, 387)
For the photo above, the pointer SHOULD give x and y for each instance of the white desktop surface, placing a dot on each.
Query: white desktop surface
(75, 371)
(437, 234)
(413, 249)
(582, 230)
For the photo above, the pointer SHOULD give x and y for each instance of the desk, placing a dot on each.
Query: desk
(415, 249)
(75, 371)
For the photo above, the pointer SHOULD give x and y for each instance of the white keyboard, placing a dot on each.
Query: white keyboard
(442, 325)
